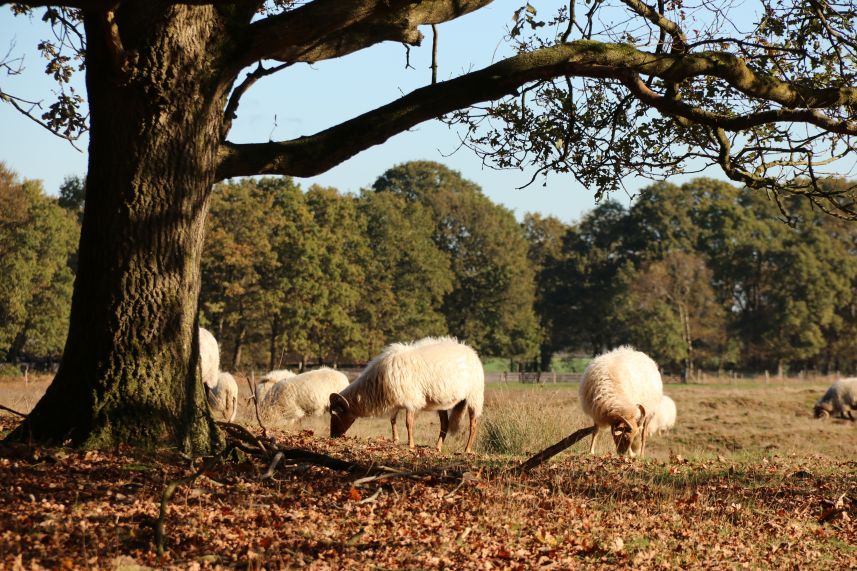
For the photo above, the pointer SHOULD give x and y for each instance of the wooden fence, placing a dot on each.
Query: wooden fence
(540, 377)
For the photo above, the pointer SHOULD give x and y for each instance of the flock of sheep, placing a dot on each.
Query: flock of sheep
(621, 391)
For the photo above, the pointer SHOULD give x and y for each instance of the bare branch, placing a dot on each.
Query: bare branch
(434, 53)
(231, 111)
(735, 122)
(679, 40)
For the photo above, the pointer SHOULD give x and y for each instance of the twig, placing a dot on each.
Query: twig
(245, 434)
(270, 473)
(371, 498)
(251, 381)
(21, 414)
(434, 54)
(551, 451)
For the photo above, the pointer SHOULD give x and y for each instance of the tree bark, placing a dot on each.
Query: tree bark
(272, 347)
(239, 344)
(130, 369)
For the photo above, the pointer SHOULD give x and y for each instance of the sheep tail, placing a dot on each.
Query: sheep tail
(456, 415)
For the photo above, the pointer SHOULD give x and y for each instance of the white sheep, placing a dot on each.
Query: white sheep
(209, 358)
(264, 385)
(664, 418)
(223, 397)
(307, 394)
(430, 374)
(621, 390)
(840, 398)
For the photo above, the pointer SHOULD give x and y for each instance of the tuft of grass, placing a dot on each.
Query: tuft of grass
(526, 420)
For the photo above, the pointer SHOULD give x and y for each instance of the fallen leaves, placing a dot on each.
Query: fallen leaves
(70, 509)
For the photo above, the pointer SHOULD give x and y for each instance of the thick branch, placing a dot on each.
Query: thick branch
(102, 5)
(308, 156)
(326, 29)
(668, 106)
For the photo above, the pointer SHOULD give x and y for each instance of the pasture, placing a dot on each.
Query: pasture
(746, 479)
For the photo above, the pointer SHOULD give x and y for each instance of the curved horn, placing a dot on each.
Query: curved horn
(338, 403)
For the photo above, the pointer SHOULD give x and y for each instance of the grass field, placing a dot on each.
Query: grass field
(746, 479)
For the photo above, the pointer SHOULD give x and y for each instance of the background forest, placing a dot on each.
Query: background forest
(701, 276)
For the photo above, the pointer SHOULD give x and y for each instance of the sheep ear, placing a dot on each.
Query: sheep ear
(338, 403)
(642, 413)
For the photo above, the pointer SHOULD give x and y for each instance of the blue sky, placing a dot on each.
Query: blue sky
(304, 99)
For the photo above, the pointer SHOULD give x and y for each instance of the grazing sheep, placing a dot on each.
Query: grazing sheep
(664, 418)
(303, 395)
(209, 358)
(621, 390)
(840, 398)
(430, 374)
(268, 381)
(223, 397)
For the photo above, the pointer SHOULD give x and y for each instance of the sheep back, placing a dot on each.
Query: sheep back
(264, 385)
(664, 418)
(307, 394)
(616, 382)
(223, 396)
(209, 357)
(839, 398)
(429, 374)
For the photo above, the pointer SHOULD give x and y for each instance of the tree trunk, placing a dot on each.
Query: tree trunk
(239, 344)
(272, 348)
(130, 370)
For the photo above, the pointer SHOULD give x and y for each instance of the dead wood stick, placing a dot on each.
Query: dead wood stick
(270, 473)
(245, 434)
(552, 451)
(251, 381)
(21, 414)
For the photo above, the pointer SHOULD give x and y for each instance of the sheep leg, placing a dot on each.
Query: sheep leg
(444, 426)
(234, 409)
(409, 423)
(643, 437)
(393, 425)
(472, 437)
(594, 435)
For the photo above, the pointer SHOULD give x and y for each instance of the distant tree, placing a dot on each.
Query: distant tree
(407, 275)
(672, 313)
(72, 195)
(545, 238)
(491, 302)
(37, 241)
(660, 221)
(582, 283)
(337, 276)
(238, 265)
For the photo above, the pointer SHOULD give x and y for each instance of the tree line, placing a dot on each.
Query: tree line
(701, 275)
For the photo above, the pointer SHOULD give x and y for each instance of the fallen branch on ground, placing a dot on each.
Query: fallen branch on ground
(21, 414)
(551, 451)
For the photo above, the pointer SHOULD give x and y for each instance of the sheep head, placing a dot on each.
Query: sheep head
(821, 412)
(341, 416)
(626, 430)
